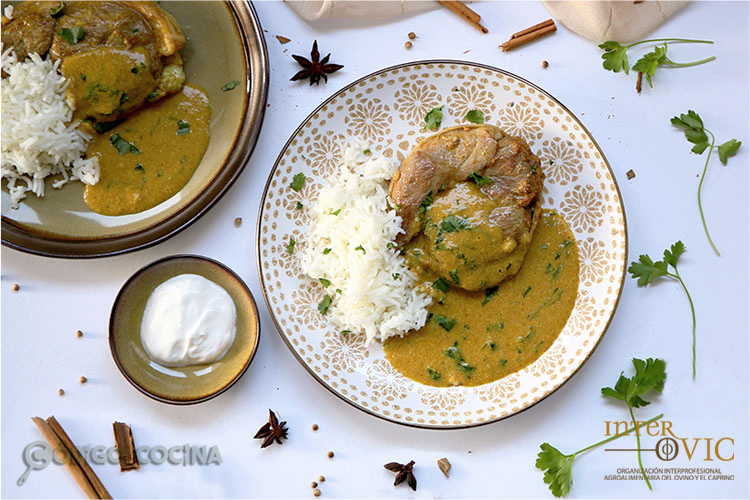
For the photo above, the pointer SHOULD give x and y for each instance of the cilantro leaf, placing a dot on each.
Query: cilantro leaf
(326, 283)
(433, 118)
(325, 304)
(183, 127)
(615, 57)
(230, 85)
(446, 323)
(728, 149)
(298, 181)
(475, 116)
(557, 469)
(697, 134)
(673, 254)
(71, 35)
(123, 147)
(57, 11)
(290, 246)
(649, 375)
(442, 284)
(479, 179)
(426, 202)
(646, 270)
(454, 223)
(361, 249)
(489, 293)
(648, 63)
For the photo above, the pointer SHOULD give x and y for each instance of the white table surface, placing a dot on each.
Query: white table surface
(40, 352)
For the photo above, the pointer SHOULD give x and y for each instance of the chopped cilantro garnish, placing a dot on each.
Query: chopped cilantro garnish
(298, 181)
(325, 304)
(124, 147)
(454, 223)
(183, 127)
(326, 283)
(230, 85)
(71, 35)
(480, 179)
(442, 284)
(445, 322)
(290, 246)
(489, 293)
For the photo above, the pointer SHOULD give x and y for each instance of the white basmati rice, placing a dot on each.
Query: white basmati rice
(38, 139)
(378, 292)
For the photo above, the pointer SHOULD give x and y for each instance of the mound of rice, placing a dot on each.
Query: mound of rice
(378, 295)
(38, 139)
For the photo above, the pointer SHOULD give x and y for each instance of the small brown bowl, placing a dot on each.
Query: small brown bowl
(189, 384)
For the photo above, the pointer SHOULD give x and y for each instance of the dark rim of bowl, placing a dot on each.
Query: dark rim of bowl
(250, 32)
(260, 266)
(148, 267)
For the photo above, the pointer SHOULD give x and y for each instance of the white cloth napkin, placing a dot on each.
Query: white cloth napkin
(357, 9)
(599, 20)
(620, 20)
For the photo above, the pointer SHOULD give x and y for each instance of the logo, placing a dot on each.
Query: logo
(38, 455)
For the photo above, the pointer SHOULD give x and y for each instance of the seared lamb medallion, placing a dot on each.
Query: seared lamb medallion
(470, 199)
(127, 54)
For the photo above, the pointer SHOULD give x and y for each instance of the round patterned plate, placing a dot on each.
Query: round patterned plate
(387, 109)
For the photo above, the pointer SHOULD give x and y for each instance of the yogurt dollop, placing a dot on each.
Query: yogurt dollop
(188, 320)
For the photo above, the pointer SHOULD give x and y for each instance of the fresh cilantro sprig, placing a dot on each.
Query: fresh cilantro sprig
(649, 376)
(557, 466)
(615, 57)
(696, 134)
(433, 118)
(646, 271)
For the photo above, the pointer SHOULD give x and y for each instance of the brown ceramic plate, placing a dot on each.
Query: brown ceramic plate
(224, 43)
(190, 384)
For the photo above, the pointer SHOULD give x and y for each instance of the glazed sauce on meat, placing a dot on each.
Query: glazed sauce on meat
(473, 338)
(152, 155)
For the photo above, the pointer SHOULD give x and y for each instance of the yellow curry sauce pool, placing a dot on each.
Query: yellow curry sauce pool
(150, 156)
(473, 338)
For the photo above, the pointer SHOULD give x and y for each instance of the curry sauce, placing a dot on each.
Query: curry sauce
(472, 338)
(152, 155)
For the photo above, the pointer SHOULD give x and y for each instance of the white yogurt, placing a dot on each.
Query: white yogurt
(188, 320)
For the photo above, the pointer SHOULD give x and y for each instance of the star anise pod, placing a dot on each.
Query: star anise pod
(272, 430)
(403, 473)
(314, 68)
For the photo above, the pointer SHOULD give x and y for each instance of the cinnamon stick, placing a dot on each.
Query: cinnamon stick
(528, 36)
(543, 24)
(76, 464)
(125, 447)
(465, 12)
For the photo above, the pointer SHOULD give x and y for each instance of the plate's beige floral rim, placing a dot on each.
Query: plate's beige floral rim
(556, 150)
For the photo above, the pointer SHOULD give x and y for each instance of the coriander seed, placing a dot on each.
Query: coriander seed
(60, 392)
(330, 454)
(316, 492)
(313, 485)
(412, 35)
(237, 221)
(16, 287)
(82, 379)
(79, 333)
(315, 427)
(545, 64)
(322, 479)
(408, 45)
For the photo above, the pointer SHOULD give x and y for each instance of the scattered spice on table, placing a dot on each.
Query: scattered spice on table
(271, 431)
(322, 479)
(403, 473)
(316, 492)
(314, 68)
(82, 379)
(444, 466)
(545, 64)
(283, 39)
(60, 392)
(408, 45)
(79, 333)
(412, 35)
(16, 287)
(313, 485)
(630, 174)
(237, 221)
(330, 454)
(315, 427)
